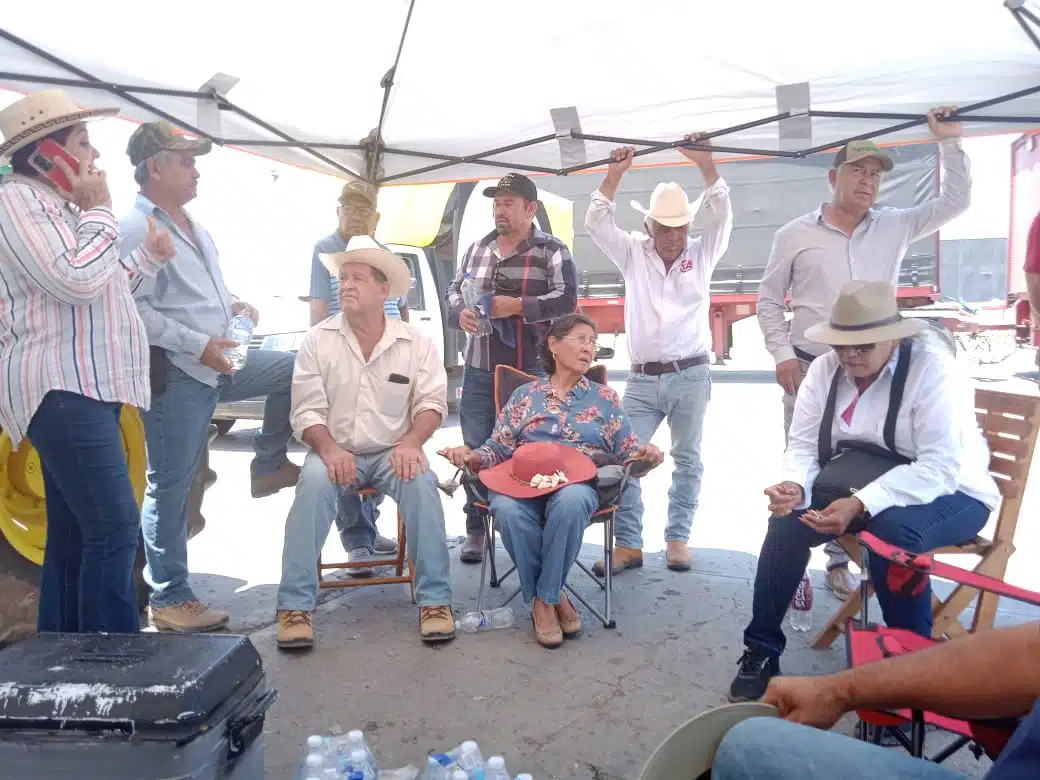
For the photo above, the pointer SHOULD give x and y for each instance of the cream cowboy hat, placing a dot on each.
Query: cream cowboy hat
(39, 114)
(365, 249)
(669, 205)
(865, 313)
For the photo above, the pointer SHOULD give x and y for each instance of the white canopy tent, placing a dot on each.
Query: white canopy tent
(466, 89)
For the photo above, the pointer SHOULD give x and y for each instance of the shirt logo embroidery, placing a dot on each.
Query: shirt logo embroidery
(686, 265)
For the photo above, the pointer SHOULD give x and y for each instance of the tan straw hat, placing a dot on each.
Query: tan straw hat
(365, 249)
(669, 205)
(865, 313)
(39, 114)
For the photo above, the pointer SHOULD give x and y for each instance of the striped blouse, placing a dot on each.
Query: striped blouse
(67, 318)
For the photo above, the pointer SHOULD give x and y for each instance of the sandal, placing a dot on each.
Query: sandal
(549, 638)
(567, 615)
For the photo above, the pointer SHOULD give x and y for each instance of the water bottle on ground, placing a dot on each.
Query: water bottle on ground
(524, 777)
(241, 330)
(458, 774)
(434, 770)
(496, 769)
(356, 741)
(314, 764)
(359, 764)
(485, 620)
(471, 296)
(801, 606)
(470, 760)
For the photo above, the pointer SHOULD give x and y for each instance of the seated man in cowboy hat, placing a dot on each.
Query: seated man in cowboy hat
(368, 392)
(667, 295)
(891, 398)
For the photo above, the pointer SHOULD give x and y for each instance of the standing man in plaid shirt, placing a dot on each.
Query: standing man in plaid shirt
(528, 278)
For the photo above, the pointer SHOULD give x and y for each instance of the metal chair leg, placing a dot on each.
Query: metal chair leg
(608, 560)
(489, 548)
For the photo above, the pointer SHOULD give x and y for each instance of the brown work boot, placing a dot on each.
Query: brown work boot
(191, 617)
(295, 631)
(678, 556)
(436, 624)
(288, 475)
(624, 558)
(472, 549)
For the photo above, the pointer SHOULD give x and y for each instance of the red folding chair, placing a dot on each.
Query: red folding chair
(868, 642)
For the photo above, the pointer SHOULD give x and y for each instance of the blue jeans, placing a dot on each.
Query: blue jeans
(544, 555)
(682, 399)
(87, 581)
(477, 415)
(356, 521)
(314, 509)
(948, 520)
(175, 430)
(775, 749)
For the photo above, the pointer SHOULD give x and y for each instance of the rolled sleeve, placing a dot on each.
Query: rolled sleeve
(602, 227)
(431, 382)
(310, 402)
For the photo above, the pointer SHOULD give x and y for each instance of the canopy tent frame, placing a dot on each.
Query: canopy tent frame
(373, 147)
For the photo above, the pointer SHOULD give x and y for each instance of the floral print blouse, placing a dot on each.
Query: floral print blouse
(589, 417)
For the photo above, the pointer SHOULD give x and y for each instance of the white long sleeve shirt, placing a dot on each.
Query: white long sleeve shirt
(666, 312)
(936, 426)
(814, 259)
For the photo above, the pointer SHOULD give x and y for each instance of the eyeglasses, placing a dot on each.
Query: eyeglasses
(351, 210)
(861, 349)
(585, 341)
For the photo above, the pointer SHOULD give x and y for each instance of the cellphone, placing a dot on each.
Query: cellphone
(43, 160)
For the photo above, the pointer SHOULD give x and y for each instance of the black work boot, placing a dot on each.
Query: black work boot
(756, 670)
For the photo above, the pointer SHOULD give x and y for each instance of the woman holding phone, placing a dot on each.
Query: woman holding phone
(73, 350)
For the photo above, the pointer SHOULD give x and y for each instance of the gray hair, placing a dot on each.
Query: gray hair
(141, 171)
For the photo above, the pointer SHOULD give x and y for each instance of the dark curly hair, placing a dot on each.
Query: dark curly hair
(560, 327)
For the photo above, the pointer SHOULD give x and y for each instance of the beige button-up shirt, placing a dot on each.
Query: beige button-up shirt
(365, 405)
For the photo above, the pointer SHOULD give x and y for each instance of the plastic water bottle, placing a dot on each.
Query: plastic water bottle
(471, 761)
(458, 774)
(359, 765)
(487, 620)
(801, 606)
(496, 769)
(356, 741)
(524, 777)
(241, 330)
(434, 770)
(315, 762)
(471, 297)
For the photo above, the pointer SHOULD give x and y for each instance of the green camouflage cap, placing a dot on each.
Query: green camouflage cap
(358, 189)
(861, 150)
(154, 137)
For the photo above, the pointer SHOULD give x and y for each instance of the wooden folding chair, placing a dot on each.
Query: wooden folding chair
(398, 562)
(507, 380)
(1009, 422)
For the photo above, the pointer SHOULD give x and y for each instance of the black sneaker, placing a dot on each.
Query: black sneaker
(756, 670)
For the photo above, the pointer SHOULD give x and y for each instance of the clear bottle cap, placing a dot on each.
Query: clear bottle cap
(496, 762)
(314, 742)
(469, 745)
(314, 762)
(355, 735)
(459, 775)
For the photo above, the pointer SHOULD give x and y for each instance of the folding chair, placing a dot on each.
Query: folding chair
(507, 380)
(868, 642)
(366, 494)
(1009, 423)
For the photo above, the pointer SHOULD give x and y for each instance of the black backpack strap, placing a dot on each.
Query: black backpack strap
(826, 423)
(895, 395)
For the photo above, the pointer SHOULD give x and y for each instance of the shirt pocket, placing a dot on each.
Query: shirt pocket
(394, 398)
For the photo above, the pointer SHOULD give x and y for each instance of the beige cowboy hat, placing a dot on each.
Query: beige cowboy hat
(669, 205)
(689, 752)
(39, 114)
(865, 313)
(365, 249)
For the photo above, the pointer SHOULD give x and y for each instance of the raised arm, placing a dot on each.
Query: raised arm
(600, 220)
(715, 239)
(955, 188)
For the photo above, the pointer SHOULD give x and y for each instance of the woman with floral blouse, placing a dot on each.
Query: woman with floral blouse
(565, 409)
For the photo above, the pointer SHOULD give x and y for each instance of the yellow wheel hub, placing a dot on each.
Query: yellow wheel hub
(23, 511)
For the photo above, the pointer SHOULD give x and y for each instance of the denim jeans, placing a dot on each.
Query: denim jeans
(681, 398)
(544, 556)
(314, 509)
(175, 430)
(356, 521)
(477, 415)
(775, 749)
(950, 519)
(87, 581)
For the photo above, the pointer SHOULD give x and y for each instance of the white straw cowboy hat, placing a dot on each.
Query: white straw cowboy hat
(365, 249)
(669, 205)
(39, 114)
(865, 313)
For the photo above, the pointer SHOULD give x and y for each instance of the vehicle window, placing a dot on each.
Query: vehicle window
(416, 299)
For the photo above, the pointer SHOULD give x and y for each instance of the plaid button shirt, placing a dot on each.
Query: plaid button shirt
(540, 272)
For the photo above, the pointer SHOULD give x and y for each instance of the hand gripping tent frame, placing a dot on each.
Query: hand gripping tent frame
(413, 91)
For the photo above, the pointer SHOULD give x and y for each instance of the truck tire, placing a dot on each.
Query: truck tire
(20, 558)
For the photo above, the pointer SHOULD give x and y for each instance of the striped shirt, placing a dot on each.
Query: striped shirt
(67, 318)
(540, 272)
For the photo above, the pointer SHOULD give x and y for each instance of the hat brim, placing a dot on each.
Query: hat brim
(576, 465)
(672, 221)
(393, 268)
(823, 333)
(492, 192)
(689, 752)
(197, 146)
(51, 125)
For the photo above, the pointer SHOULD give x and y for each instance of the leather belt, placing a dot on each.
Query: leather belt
(670, 367)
